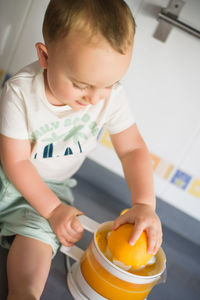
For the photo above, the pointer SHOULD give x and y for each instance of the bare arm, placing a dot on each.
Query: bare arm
(15, 159)
(136, 164)
(138, 172)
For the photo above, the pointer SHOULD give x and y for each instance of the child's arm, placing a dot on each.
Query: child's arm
(15, 159)
(138, 171)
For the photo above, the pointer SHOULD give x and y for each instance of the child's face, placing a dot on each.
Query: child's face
(77, 73)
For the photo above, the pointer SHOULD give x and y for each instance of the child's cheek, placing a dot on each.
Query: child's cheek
(67, 92)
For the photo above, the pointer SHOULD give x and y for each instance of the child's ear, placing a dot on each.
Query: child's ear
(42, 54)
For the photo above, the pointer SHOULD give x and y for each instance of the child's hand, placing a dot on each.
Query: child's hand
(144, 218)
(65, 224)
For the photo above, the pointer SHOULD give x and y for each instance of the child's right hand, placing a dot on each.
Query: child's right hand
(64, 222)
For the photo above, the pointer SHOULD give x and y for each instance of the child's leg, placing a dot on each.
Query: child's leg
(28, 267)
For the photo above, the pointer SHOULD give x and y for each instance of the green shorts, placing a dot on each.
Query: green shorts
(17, 216)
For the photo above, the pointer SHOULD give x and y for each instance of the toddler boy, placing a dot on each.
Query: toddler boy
(51, 115)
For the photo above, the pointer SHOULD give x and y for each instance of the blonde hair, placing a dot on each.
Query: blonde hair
(110, 18)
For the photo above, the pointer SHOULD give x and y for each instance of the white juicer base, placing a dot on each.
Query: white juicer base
(78, 286)
(73, 288)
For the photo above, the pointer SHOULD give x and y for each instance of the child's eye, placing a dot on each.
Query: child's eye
(110, 87)
(78, 87)
(113, 86)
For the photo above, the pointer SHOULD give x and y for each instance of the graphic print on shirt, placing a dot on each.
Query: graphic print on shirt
(58, 139)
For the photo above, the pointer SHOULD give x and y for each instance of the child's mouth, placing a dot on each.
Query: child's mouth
(80, 103)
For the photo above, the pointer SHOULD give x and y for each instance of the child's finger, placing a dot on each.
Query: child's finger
(69, 237)
(117, 222)
(65, 238)
(76, 225)
(65, 242)
(137, 231)
(152, 240)
(157, 246)
(155, 249)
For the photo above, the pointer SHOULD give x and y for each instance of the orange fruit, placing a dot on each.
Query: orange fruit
(135, 255)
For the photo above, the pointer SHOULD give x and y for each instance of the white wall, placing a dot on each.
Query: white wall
(12, 15)
(25, 18)
(162, 84)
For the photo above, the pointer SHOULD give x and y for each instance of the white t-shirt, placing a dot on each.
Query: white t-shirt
(61, 138)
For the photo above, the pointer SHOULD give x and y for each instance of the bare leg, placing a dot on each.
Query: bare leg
(28, 267)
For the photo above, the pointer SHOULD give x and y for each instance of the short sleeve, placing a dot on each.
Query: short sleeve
(119, 114)
(13, 121)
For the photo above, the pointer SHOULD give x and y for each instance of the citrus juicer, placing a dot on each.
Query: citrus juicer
(95, 277)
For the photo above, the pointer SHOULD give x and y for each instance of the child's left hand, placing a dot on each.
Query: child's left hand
(144, 218)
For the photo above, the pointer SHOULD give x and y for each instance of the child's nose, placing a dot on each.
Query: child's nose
(93, 97)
